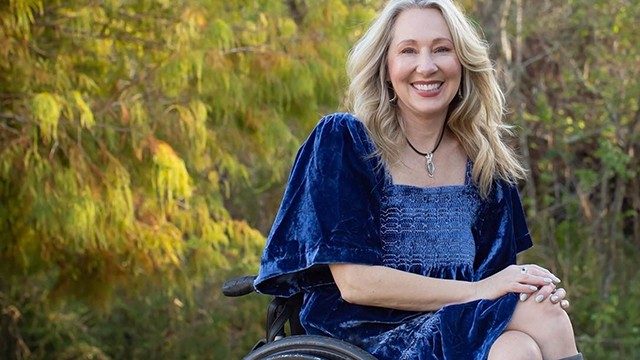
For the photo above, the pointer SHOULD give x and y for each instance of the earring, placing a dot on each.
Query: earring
(460, 91)
(394, 98)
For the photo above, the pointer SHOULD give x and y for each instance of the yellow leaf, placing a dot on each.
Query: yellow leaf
(86, 115)
(46, 110)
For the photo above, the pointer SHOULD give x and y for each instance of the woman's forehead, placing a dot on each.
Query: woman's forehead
(420, 25)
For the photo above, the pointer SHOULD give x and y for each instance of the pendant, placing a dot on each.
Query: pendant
(431, 168)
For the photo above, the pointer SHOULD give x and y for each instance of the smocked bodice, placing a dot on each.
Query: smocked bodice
(429, 230)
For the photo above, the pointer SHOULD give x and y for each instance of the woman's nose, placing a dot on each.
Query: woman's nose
(426, 65)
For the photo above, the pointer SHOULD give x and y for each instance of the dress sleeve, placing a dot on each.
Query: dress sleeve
(500, 231)
(328, 211)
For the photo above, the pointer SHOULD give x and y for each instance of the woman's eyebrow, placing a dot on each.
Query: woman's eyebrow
(413, 41)
(440, 39)
(406, 42)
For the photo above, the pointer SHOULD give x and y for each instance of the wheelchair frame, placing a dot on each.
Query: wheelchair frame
(298, 345)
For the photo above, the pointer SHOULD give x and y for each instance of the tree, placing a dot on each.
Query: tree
(137, 137)
(571, 69)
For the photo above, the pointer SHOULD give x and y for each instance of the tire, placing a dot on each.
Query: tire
(308, 347)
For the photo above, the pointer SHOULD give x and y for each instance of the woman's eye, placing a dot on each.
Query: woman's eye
(442, 49)
(408, 51)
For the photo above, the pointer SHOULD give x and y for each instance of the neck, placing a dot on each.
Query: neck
(423, 133)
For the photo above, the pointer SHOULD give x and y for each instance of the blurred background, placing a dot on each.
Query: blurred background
(144, 147)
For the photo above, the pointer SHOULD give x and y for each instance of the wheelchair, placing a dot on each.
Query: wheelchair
(277, 345)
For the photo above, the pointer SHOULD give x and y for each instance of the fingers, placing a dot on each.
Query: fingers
(524, 288)
(534, 269)
(558, 295)
(563, 303)
(550, 274)
(531, 279)
(544, 292)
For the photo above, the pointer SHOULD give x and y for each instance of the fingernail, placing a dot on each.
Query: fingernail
(523, 297)
(533, 288)
(564, 303)
(554, 298)
(556, 279)
(548, 280)
(539, 298)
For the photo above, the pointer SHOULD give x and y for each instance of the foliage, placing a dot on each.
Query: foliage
(136, 138)
(582, 122)
(144, 146)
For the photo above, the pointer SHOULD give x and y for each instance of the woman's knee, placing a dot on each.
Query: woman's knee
(515, 345)
(542, 321)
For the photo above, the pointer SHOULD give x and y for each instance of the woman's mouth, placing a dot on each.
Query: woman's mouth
(428, 89)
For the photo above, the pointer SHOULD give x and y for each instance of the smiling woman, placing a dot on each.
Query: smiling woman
(423, 68)
(401, 222)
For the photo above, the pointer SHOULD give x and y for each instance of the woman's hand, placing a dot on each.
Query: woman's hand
(549, 291)
(524, 279)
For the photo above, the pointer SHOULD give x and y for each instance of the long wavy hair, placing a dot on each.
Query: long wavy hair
(475, 119)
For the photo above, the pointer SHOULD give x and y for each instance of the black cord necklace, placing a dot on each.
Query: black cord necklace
(431, 167)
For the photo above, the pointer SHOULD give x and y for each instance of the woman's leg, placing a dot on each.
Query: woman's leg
(515, 345)
(548, 325)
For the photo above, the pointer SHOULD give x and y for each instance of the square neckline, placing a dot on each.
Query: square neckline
(438, 188)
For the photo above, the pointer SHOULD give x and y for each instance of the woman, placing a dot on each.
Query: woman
(401, 224)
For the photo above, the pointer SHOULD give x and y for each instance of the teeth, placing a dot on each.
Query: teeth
(427, 87)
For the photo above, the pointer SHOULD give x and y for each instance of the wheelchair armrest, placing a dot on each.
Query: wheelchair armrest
(238, 286)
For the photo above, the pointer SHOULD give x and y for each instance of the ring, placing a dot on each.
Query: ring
(523, 270)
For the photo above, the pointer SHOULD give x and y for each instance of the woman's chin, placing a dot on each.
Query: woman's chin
(426, 110)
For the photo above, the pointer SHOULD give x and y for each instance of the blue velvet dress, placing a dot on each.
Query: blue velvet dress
(340, 206)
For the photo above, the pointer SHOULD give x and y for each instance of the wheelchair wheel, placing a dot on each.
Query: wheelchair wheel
(308, 347)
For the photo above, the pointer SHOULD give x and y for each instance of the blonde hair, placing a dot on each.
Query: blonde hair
(475, 119)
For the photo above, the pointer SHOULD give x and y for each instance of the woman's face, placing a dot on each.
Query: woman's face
(422, 65)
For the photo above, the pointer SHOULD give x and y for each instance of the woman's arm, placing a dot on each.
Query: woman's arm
(386, 287)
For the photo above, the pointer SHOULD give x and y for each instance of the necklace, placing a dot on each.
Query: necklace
(431, 167)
